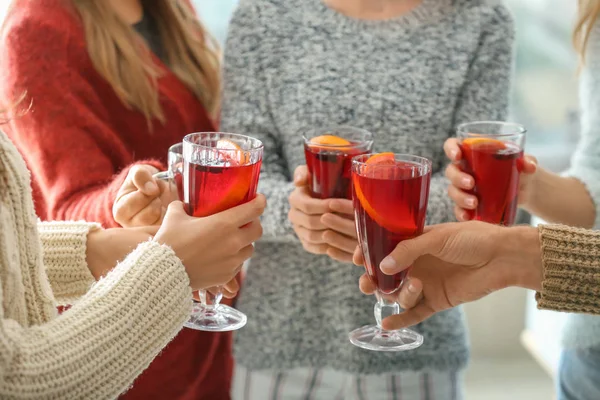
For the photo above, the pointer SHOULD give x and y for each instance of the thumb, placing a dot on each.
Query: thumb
(176, 207)
(530, 164)
(301, 176)
(406, 252)
(143, 180)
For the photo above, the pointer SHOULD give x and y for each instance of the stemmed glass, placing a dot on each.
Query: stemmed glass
(220, 171)
(390, 202)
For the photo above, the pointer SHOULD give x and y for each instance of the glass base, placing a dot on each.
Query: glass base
(374, 338)
(220, 318)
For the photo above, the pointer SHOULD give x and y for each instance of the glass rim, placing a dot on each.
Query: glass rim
(368, 135)
(418, 160)
(520, 129)
(176, 148)
(256, 143)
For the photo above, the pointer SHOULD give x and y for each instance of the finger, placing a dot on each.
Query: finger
(176, 207)
(461, 198)
(300, 199)
(232, 286)
(149, 230)
(301, 176)
(251, 232)
(530, 164)
(246, 213)
(408, 318)
(228, 294)
(357, 257)
(459, 178)
(150, 215)
(318, 249)
(312, 222)
(143, 180)
(410, 294)
(309, 236)
(461, 214)
(340, 242)
(366, 285)
(131, 204)
(342, 206)
(452, 149)
(407, 251)
(339, 255)
(339, 224)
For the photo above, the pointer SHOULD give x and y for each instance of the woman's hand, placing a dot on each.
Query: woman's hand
(323, 226)
(212, 249)
(461, 183)
(458, 263)
(106, 247)
(142, 200)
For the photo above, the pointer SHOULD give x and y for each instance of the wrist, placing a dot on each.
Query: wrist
(523, 257)
(97, 243)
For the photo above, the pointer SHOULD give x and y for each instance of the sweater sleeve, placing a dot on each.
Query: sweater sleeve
(243, 111)
(484, 97)
(97, 348)
(571, 262)
(64, 246)
(66, 137)
(585, 163)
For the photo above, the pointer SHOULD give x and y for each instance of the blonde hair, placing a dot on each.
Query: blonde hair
(587, 15)
(121, 57)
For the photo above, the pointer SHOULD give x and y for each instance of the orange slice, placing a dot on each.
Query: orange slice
(329, 141)
(376, 159)
(238, 156)
(484, 142)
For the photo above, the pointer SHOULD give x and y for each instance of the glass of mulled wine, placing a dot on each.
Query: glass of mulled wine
(329, 155)
(220, 171)
(390, 202)
(492, 153)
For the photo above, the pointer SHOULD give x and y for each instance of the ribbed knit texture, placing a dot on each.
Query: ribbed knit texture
(584, 330)
(571, 262)
(292, 64)
(97, 348)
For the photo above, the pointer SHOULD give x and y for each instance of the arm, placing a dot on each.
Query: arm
(484, 97)
(66, 138)
(245, 110)
(97, 348)
(64, 246)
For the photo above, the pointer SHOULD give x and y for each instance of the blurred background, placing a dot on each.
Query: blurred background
(515, 347)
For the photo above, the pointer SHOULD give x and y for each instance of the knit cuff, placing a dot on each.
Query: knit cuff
(571, 269)
(64, 246)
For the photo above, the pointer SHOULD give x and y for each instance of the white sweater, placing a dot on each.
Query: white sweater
(114, 329)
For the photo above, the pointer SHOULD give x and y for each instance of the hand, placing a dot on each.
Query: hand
(323, 226)
(229, 290)
(142, 200)
(458, 263)
(461, 182)
(106, 247)
(212, 248)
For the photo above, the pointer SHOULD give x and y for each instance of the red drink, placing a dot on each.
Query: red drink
(212, 189)
(329, 171)
(495, 165)
(329, 159)
(390, 201)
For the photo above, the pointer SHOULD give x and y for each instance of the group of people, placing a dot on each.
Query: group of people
(95, 93)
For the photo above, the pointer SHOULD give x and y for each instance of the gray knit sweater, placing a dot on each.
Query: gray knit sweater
(290, 64)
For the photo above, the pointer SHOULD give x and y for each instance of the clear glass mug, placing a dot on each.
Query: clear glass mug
(174, 175)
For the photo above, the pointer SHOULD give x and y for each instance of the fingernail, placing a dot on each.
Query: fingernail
(412, 288)
(388, 264)
(453, 154)
(470, 202)
(466, 182)
(150, 186)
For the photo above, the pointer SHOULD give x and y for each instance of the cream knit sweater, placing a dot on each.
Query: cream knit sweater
(114, 329)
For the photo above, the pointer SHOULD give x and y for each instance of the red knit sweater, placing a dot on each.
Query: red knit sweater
(79, 141)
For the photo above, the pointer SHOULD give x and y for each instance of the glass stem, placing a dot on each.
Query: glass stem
(384, 308)
(213, 300)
